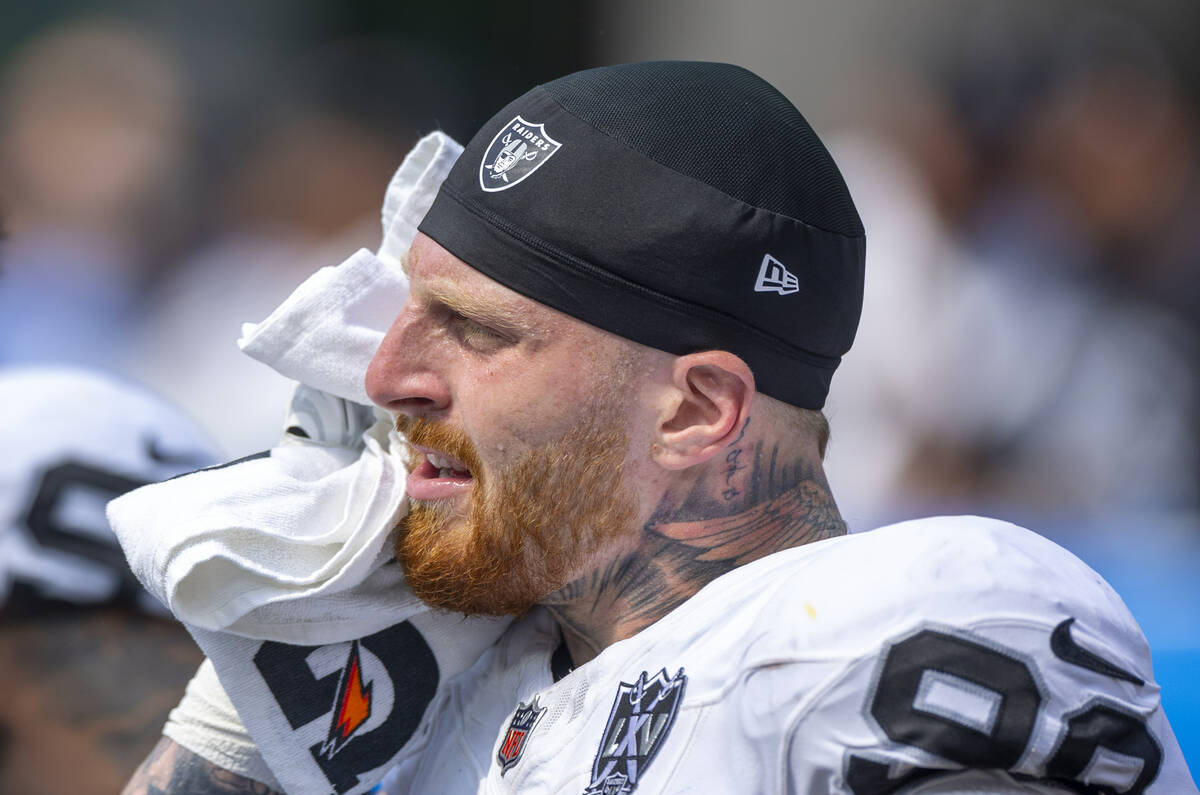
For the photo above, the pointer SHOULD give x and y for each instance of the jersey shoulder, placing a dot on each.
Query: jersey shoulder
(843, 597)
(957, 571)
(955, 643)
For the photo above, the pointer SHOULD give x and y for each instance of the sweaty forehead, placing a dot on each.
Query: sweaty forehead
(426, 259)
(436, 274)
(431, 267)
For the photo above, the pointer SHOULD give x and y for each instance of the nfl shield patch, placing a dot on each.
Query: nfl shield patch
(517, 151)
(642, 715)
(513, 745)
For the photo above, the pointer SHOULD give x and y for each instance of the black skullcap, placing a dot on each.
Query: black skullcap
(685, 206)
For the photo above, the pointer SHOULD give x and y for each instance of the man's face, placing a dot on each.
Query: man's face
(518, 423)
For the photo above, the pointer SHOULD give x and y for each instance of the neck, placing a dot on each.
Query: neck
(758, 498)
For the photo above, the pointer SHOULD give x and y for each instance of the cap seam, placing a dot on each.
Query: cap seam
(586, 268)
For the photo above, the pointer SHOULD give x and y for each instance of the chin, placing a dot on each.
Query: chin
(453, 565)
(517, 537)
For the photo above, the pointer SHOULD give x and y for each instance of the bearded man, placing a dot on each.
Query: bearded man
(609, 372)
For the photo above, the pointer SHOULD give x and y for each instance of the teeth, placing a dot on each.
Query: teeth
(446, 467)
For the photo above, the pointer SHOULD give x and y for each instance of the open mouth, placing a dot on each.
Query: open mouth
(438, 476)
(447, 467)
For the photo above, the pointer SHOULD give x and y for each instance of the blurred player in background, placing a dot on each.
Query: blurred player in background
(89, 662)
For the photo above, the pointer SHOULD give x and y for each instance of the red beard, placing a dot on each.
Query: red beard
(530, 527)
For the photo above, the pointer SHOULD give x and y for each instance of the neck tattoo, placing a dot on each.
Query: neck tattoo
(757, 504)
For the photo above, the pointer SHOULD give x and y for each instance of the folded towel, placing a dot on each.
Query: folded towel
(325, 334)
(289, 546)
(280, 565)
(291, 700)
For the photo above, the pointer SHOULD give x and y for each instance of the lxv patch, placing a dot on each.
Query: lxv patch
(642, 716)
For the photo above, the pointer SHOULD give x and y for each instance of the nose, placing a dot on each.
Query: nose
(403, 376)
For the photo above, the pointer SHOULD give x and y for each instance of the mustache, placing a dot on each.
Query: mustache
(439, 436)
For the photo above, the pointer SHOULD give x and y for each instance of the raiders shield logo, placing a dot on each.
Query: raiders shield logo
(523, 721)
(517, 151)
(641, 717)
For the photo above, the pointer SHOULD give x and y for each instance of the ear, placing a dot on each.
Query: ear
(712, 393)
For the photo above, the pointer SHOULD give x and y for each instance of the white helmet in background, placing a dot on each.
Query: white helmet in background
(72, 440)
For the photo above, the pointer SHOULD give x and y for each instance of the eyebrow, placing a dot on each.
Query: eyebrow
(480, 309)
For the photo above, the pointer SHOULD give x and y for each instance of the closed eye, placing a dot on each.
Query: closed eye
(475, 335)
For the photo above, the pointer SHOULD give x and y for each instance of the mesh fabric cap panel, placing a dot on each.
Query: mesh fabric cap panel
(722, 125)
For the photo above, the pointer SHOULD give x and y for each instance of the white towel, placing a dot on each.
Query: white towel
(289, 547)
(325, 334)
(281, 566)
(288, 696)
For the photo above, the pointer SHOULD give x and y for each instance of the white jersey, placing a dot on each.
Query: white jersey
(940, 655)
(72, 440)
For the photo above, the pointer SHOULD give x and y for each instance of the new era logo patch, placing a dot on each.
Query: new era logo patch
(773, 277)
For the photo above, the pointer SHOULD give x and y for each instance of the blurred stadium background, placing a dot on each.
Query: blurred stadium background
(1029, 175)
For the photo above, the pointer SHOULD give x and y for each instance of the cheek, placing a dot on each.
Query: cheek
(512, 410)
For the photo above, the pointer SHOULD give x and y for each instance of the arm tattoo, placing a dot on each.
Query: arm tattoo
(171, 769)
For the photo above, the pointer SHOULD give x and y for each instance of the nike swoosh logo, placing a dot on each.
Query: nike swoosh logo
(155, 452)
(1066, 649)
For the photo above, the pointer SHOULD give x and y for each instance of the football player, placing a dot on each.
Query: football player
(610, 370)
(90, 662)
